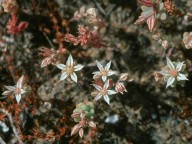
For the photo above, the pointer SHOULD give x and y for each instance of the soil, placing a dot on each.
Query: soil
(147, 114)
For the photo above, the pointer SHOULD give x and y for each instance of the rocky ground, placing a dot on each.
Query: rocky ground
(147, 114)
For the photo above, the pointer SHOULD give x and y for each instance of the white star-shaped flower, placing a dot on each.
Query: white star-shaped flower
(69, 69)
(103, 92)
(172, 72)
(104, 72)
(16, 90)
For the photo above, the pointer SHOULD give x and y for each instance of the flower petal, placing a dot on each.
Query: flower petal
(179, 65)
(169, 63)
(60, 66)
(181, 77)
(20, 82)
(110, 73)
(97, 87)
(111, 92)
(63, 76)
(7, 92)
(106, 85)
(99, 65)
(164, 72)
(170, 81)
(11, 88)
(104, 78)
(97, 73)
(78, 67)
(18, 97)
(108, 65)
(74, 77)
(98, 97)
(70, 61)
(22, 91)
(106, 98)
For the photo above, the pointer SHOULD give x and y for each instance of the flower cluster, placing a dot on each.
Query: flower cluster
(173, 72)
(103, 84)
(83, 115)
(91, 15)
(87, 35)
(152, 10)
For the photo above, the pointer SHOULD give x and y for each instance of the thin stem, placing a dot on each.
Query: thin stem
(2, 141)
(12, 125)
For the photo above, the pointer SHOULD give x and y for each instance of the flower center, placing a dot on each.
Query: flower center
(69, 69)
(17, 90)
(104, 91)
(173, 73)
(104, 72)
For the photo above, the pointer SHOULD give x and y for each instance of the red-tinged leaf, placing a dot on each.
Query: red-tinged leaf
(22, 26)
(151, 21)
(75, 129)
(147, 3)
(81, 132)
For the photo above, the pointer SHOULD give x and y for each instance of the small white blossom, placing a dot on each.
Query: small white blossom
(69, 69)
(103, 92)
(172, 72)
(16, 90)
(103, 71)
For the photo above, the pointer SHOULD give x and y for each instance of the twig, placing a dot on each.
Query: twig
(47, 38)
(100, 8)
(12, 125)
(2, 141)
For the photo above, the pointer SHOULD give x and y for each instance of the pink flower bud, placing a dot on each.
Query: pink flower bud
(81, 132)
(75, 129)
(157, 76)
(92, 124)
(123, 77)
(165, 43)
(119, 87)
(151, 21)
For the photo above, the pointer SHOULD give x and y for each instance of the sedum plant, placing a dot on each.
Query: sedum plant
(83, 115)
(151, 11)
